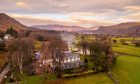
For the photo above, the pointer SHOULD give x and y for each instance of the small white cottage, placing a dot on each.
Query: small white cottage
(8, 36)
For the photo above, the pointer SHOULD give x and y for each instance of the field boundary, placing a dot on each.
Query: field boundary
(111, 76)
(132, 55)
(79, 74)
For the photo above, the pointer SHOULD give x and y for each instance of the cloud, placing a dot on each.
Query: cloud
(72, 12)
(22, 4)
(133, 16)
(132, 8)
(33, 20)
(77, 19)
(67, 6)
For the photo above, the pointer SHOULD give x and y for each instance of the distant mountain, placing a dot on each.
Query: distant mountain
(7, 22)
(58, 27)
(123, 28)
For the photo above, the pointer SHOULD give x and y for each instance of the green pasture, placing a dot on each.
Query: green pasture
(127, 70)
(126, 49)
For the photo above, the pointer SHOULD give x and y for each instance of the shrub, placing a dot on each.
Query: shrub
(11, 80)
(137, 43)
(41, 38)
(123, 41)
(114, 41)
(2, 46)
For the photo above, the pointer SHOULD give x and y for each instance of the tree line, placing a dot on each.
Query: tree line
(101, 52)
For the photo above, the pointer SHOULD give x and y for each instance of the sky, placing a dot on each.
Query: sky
(84, 13)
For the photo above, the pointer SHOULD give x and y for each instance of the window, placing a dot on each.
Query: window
(65, 61)
(73, 59)
(68, 60)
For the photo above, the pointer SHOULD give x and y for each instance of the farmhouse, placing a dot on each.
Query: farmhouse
(70, 60)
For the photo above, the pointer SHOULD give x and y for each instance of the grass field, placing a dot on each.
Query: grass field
(127, 69)
(126, 49)
(127, 38)
(38, 45)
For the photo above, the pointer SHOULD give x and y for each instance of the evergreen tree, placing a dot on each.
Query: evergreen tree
(11, 31)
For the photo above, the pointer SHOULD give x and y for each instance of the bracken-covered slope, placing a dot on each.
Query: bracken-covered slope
(7, 22)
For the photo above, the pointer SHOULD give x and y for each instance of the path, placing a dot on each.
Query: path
(4, 72)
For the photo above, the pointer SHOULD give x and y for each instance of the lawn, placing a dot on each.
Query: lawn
(37, 79)
(126, 49)
(38, 45)
(127, 70)
(100, 78)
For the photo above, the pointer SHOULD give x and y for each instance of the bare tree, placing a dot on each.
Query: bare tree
(21, 52)
(83, 44)
(56, 47)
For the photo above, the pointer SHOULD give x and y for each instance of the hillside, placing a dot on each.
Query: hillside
(58, 27)
(6, 22)
(130, 28)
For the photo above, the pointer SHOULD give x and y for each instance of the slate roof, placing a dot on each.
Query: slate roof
(71, 60)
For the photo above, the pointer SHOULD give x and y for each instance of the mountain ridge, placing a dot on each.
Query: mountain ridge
(122, 28)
